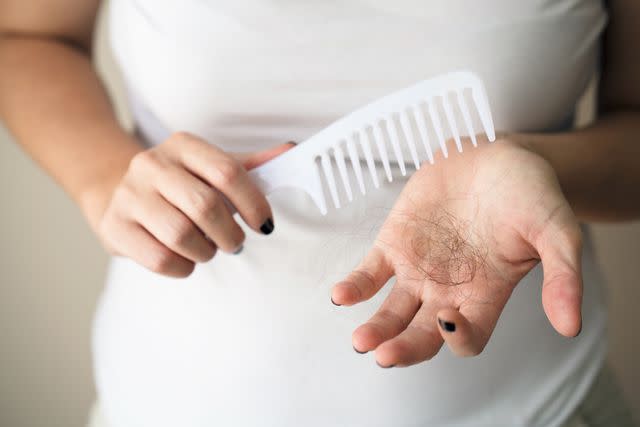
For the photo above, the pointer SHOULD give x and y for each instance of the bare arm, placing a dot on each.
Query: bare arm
(598, 167)
(161, 206)
(53, 102)
(458, 250)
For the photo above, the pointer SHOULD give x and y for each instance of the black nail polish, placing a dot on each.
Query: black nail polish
(334, 303)
(292, 143)
(267, 227)
(358, 351)
(447, 326)
(239, 250)
(385, 367)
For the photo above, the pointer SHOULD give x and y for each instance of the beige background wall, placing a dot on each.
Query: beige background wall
(51, 272)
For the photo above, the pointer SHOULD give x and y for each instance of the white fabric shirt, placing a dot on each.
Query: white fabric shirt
(253, 340)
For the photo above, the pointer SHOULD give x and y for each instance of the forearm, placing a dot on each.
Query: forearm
(53, 102)
(598, 167)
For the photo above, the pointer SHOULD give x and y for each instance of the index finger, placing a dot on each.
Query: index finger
(225, 173)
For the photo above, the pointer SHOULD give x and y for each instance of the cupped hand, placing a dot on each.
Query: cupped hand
(168, 212)
(460, 237)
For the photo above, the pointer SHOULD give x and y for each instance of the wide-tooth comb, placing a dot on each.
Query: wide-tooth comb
(311, 163)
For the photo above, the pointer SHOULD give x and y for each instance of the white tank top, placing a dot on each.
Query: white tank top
(253, 340)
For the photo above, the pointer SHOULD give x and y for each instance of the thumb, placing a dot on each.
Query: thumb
(256, 158)
(560, 249)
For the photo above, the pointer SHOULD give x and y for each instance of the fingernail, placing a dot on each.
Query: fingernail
(385, 367)
(292, 143)
(267, 227)
(447, 326)
(239, 250)
(358, 351)
(334, 303)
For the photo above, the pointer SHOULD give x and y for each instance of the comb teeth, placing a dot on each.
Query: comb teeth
(418, 119)
(342, 167)
(438, 128)
(382, 150)
(452, 123)
(328, 175)
(365, 143)
(466, 116)
(408, 135)
(415, 124)
(424, 133)
(355, 162)
(395, 143)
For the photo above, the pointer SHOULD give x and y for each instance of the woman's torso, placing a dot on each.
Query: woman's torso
(253, 339)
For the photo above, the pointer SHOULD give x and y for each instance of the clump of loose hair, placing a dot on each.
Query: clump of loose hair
(442, 248)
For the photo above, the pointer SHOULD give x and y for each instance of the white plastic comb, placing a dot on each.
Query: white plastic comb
(417, 107)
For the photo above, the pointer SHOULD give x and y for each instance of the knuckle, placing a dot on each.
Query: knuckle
(210, 254)
(389, 317)
(229, 171)
(144, 161)
(187, 270)
(109, 244)
(108, 230)
(124, 195)
(235, 240)
(180, 230)
(162, 261)
(240, 236)
(364, 277)
(213, 215)
(204, 204)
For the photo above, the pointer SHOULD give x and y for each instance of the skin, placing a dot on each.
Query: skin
(515, 203)
(53, 102)
(162, 207)
(458, 251)
(167, 213)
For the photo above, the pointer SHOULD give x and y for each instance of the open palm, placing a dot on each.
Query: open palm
(460, 237)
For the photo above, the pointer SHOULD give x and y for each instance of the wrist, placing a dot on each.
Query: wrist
(94, 199)
(95, 194)
(523, 140)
